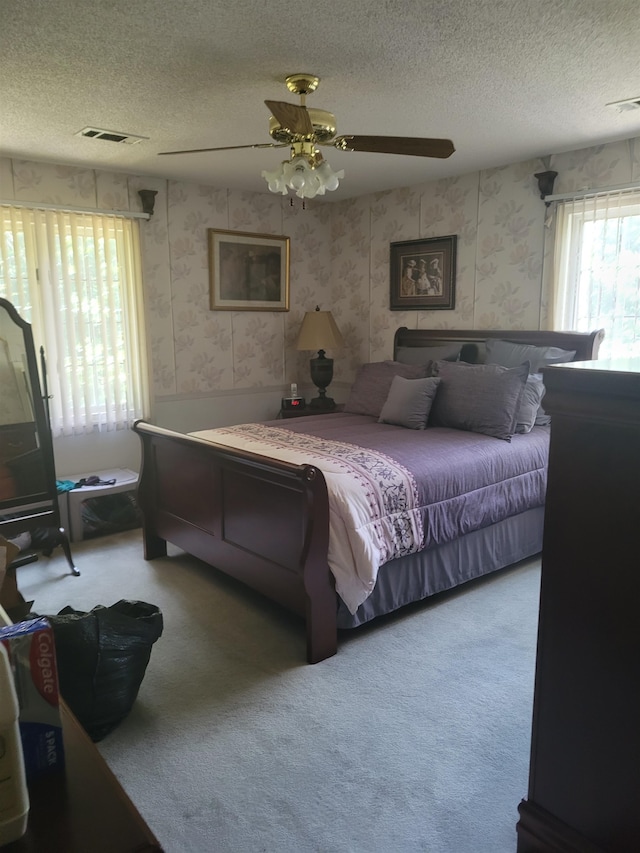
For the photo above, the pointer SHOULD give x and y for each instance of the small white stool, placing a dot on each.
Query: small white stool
(125, 481)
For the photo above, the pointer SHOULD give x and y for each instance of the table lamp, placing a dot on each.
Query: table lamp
(319, 332)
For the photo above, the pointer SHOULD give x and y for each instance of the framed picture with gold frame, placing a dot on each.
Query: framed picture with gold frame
(423, 274)
(248, 272)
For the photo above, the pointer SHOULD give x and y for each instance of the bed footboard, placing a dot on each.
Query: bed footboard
(259, 520)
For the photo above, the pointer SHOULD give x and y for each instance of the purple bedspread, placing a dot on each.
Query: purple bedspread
(466, 480)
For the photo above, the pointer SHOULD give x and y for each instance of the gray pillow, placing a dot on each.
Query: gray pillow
(409, 402)
(479, 397)
(529, 409)
(542, 418)
(510, 354)
(425, 355)
(371, 387)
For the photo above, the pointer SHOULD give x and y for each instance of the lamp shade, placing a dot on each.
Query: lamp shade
(319, 331)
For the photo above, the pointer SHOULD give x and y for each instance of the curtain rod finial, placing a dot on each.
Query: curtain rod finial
(148, 199)
(545, 183)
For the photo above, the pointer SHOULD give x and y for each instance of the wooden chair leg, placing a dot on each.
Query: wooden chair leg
(63, 541)
(59, 537)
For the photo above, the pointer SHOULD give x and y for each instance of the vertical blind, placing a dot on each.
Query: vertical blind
(77, 279)
(597, 269)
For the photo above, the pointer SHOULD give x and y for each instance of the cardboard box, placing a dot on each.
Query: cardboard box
(32, 654)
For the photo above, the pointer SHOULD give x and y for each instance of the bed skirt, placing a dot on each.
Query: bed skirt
(418, 576)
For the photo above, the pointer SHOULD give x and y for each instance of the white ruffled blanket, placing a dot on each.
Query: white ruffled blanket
(374, 511)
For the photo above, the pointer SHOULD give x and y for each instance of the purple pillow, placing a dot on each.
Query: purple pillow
(409, 402)
(481, 398)
(373, 381)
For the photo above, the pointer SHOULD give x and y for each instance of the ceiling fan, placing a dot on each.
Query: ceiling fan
(304, 129)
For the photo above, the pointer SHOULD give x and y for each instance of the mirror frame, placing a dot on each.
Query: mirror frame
(39, 509)
(42, 429)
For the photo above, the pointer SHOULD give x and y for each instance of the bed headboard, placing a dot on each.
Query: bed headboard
(586, 344)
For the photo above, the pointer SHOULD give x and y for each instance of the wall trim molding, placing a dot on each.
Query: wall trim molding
(266, 390)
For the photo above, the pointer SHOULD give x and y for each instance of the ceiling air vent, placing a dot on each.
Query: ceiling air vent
(110, 135)
(628, 104)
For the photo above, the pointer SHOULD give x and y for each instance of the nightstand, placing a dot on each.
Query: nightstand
(301, 413)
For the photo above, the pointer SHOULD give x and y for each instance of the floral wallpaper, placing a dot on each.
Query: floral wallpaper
(195, 351)
(339, 260)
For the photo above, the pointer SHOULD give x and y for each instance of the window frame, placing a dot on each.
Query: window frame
(92, 262)
(572, 216)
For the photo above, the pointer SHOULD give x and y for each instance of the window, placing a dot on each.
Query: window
(76, 278)
(597, 270)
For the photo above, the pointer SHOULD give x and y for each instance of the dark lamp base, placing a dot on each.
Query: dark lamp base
(322, 404)
(321, 376)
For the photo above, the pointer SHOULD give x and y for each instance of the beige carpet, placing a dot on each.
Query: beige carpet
(414, 738)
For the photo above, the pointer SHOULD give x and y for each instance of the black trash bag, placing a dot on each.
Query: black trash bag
(110, 514)
(102, 657)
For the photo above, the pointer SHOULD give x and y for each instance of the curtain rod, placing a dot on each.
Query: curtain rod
(592, 193)
(32, 205)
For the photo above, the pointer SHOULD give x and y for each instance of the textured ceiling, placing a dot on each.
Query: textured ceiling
(506, 80)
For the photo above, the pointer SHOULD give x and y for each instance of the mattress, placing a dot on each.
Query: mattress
(418, 576)
(395, 491)
(466, 480)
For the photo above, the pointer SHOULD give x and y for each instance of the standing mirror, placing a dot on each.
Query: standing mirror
(28, 493)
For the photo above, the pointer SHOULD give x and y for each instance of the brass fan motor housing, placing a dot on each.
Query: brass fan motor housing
(303, 129)
(324, 127)
(302, 84)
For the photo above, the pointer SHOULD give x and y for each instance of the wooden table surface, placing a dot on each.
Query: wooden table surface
(82, 809)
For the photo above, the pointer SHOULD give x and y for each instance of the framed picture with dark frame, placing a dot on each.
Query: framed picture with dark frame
(248, 272)
(423, 274)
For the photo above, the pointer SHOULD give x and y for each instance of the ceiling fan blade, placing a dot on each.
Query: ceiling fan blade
(228, 148)
(414, 147)
(293, 118)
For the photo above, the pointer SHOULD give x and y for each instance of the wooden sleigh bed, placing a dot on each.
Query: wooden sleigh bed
(266, 521)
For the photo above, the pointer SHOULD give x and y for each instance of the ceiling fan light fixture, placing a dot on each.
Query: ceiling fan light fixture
(306, 172)
(275, 180)
(330, 178)
(303, 177)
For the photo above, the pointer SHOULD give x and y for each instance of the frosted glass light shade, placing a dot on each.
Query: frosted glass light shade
(303, 178)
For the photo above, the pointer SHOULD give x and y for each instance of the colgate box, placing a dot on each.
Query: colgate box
(32, 654)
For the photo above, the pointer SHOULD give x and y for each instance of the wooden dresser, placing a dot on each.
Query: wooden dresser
(584, 782)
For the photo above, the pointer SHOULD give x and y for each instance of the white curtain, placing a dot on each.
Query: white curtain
(77, 279)
(596, 269)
